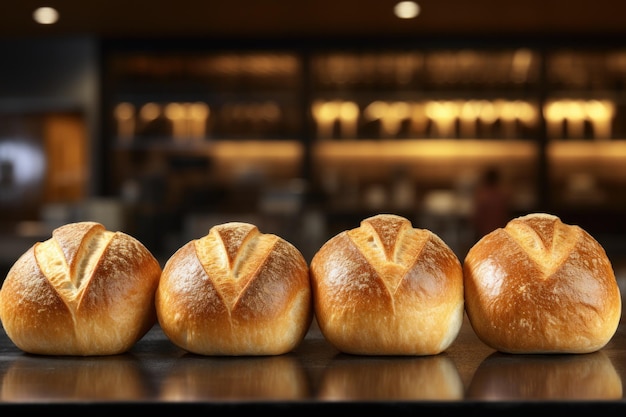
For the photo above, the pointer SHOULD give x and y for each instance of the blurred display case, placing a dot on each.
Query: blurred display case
(235, 113)
(405, 129)
(199, 131)
(196, 97)
(435, 119)
(585, 143)
(585, 127)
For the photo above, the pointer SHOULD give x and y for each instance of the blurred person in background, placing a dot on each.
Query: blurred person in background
(491, 207)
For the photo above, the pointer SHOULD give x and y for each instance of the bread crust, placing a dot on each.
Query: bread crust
(541, 286)
(86, 291)
(235, 291)
(386, 288)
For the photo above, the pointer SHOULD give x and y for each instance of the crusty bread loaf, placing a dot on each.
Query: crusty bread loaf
(386, 288)
(235, 291)
(85, 291)
(541, 286)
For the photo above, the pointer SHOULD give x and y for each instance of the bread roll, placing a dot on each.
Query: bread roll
(85, 291)
(541, 286)
(235, 291)
(386, 288)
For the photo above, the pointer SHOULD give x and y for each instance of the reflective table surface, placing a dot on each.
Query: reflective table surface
(468, 379)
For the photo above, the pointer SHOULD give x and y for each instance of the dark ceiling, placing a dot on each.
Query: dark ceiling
(308, 18)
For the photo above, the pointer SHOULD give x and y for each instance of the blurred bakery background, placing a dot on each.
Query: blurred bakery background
(162, 118)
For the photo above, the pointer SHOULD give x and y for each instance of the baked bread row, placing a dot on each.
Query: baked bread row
(383, 288)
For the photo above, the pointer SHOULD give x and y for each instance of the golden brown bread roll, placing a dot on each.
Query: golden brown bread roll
(235, 291)
(85, 291)
(541, 286)
(386, 288)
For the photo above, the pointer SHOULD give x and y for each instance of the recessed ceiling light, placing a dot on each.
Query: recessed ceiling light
(46, 15)
(406, 9)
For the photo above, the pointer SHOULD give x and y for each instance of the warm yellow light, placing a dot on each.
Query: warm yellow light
(597, 109)
(470, 110)
(198, 110)
(46, 15)
(149, 112)
(329, 110)
(125, 114)
(406, 10)
(376, 110)
(348, 110)
(554, 111)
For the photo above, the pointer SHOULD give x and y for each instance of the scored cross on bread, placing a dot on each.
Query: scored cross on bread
(539, 285)
(387, 288)
(86, 291)
(235, 291)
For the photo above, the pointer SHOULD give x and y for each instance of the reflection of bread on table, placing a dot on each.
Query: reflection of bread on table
(398, 378)
(228, 378)
(63, 378)
(552, 377)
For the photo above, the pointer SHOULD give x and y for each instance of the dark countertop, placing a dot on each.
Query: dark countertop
(469, 378)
